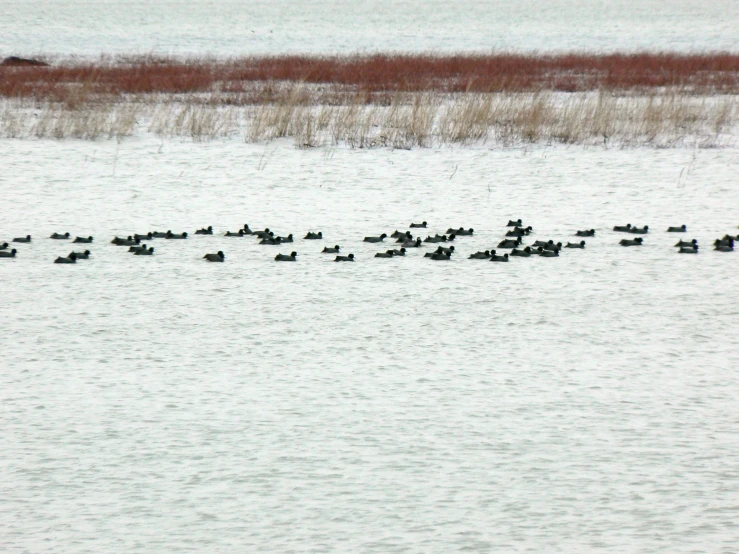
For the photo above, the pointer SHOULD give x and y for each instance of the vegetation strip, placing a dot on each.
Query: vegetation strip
(375, 75)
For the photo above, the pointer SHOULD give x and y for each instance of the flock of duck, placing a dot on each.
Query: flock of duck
(404, 240)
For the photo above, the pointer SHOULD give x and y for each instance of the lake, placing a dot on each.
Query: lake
(585, 403)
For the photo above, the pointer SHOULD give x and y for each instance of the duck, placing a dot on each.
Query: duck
(688, 250)
(623, 228)
(375, 239)
(387, 254)
(246, 229)
(525, 253)
(147, 236)
(440, 238)
(263, 234)
(519, 231)
(437, 238)
(718, 248)
(239, 233)
(6, 254)
(285, 258)
(726, 241)
(580, 244)
(80, 255)
(398, 252)
(157, 234)
(547, 245)
(58, 236)
(136, 248)
(682, 243)
(629, 242)
(27, 238)
(440, 256)
(313, 236)
(3, 246)
(404, 237)
(72, 259)
(130, 241)
(421, 225)
(330, 250)
(205, 231)
(460, 232)
(517, 223)
(397, 234)
(83, 240)
(680, 229)
(149, 252)
(412, 244)
(510, 243)
(544, 253)
(643, 231)
(171, 235)
(440, 250)
(495, 258)
(218, 257)
(585, 233)
(271, 241)
(480, 255)
(349, 258)
(288, 238)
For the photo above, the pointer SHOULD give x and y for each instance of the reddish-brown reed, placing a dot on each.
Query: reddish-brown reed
(708, 73)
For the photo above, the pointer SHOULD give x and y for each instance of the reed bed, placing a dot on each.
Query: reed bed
(57, 121)
(374, 75)
(406, 120)
(382, 100)
(423, 120)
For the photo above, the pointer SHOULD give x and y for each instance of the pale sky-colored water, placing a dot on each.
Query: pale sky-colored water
(164, 404)
(580, 404)
(89, 27)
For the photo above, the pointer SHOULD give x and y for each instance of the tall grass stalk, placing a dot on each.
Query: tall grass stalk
(406, 120)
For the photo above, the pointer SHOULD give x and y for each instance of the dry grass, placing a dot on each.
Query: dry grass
(406, 120)
(398, 101)
(424, 120)
(57, 121)
(198, 122)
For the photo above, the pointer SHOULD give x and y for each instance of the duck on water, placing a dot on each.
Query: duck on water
(71, 259)
(285, 258)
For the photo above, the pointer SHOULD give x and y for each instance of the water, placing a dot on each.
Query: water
(586, 403)
(227, 27)
(165, 404)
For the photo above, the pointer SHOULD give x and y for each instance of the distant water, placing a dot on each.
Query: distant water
(164, 404)
(228, 27)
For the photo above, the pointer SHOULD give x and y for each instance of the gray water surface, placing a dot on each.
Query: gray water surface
(165, 404)
(233, 28)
